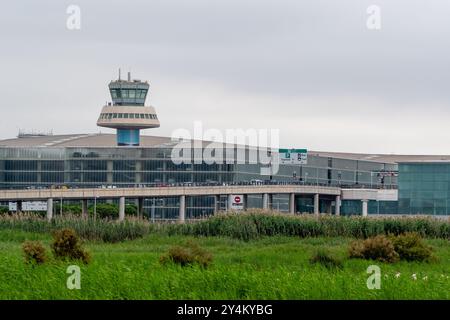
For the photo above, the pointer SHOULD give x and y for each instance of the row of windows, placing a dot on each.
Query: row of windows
(117, 177)
(128, 93)
(128, 116)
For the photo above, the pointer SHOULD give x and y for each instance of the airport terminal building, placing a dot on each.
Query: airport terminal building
(415, 184)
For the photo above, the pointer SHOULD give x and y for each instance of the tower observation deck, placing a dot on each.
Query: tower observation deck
(127, 112)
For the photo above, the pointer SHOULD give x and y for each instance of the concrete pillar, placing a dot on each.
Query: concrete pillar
(122, 208)
(265, 201)
(292, 203)
(316, 204)
(140, 208)
(49, 209)
(337, 207)
(84, 208)
(364, 207)
(230, 201)
(216, 203)
(182, 215)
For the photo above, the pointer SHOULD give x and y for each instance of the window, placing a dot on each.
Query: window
(120, 115)
(125, 115)
(143, 93)
(114, 115)
(124, 93)
(136, 115)
(132, 94)
(109, 115)
(147, 116)
(114, 94)
(131, 115)
(142, 116)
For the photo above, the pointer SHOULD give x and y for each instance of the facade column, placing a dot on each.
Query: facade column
(138, 172)
(230, 201)
(216, 203)
(182, 215)
(292, 203)
(84, 208)
(140, 208)
(265, 201)
(337, 207)
(110, 171)
(39, 171)
(316, 204)
(364, 207)
(49, 209)
(121, 208)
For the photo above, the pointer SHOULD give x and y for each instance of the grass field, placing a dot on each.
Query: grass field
(275, 267)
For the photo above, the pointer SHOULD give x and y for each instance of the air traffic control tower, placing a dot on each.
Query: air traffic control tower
(127, 112)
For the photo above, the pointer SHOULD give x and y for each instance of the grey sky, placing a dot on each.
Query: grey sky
(310, 68)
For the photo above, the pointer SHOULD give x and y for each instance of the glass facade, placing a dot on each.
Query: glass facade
(133, 166)
(424, 188)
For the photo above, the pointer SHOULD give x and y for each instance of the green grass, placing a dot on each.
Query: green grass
(274, 267)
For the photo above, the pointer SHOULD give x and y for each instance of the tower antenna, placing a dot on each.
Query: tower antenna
(119, 73)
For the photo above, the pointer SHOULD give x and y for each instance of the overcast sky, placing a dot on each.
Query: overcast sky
(310, 68)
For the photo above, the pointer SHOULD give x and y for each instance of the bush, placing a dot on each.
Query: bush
(187, 255)
(67, 245)
(377, 248)
(111, 210)
(4, 209)
(410, 247)
(327, 260)
(34, 252)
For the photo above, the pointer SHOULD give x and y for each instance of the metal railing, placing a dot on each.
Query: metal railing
(213, 184)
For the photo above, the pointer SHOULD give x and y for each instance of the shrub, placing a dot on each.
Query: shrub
(326, 259)
(34, 252)
(377, 248)
(4, 209)
(67, 245)
(410, 247)
(188, 254)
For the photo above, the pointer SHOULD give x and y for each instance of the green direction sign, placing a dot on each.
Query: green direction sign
(293, 156)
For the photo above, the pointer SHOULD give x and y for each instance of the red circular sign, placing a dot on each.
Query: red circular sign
(237, 199)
